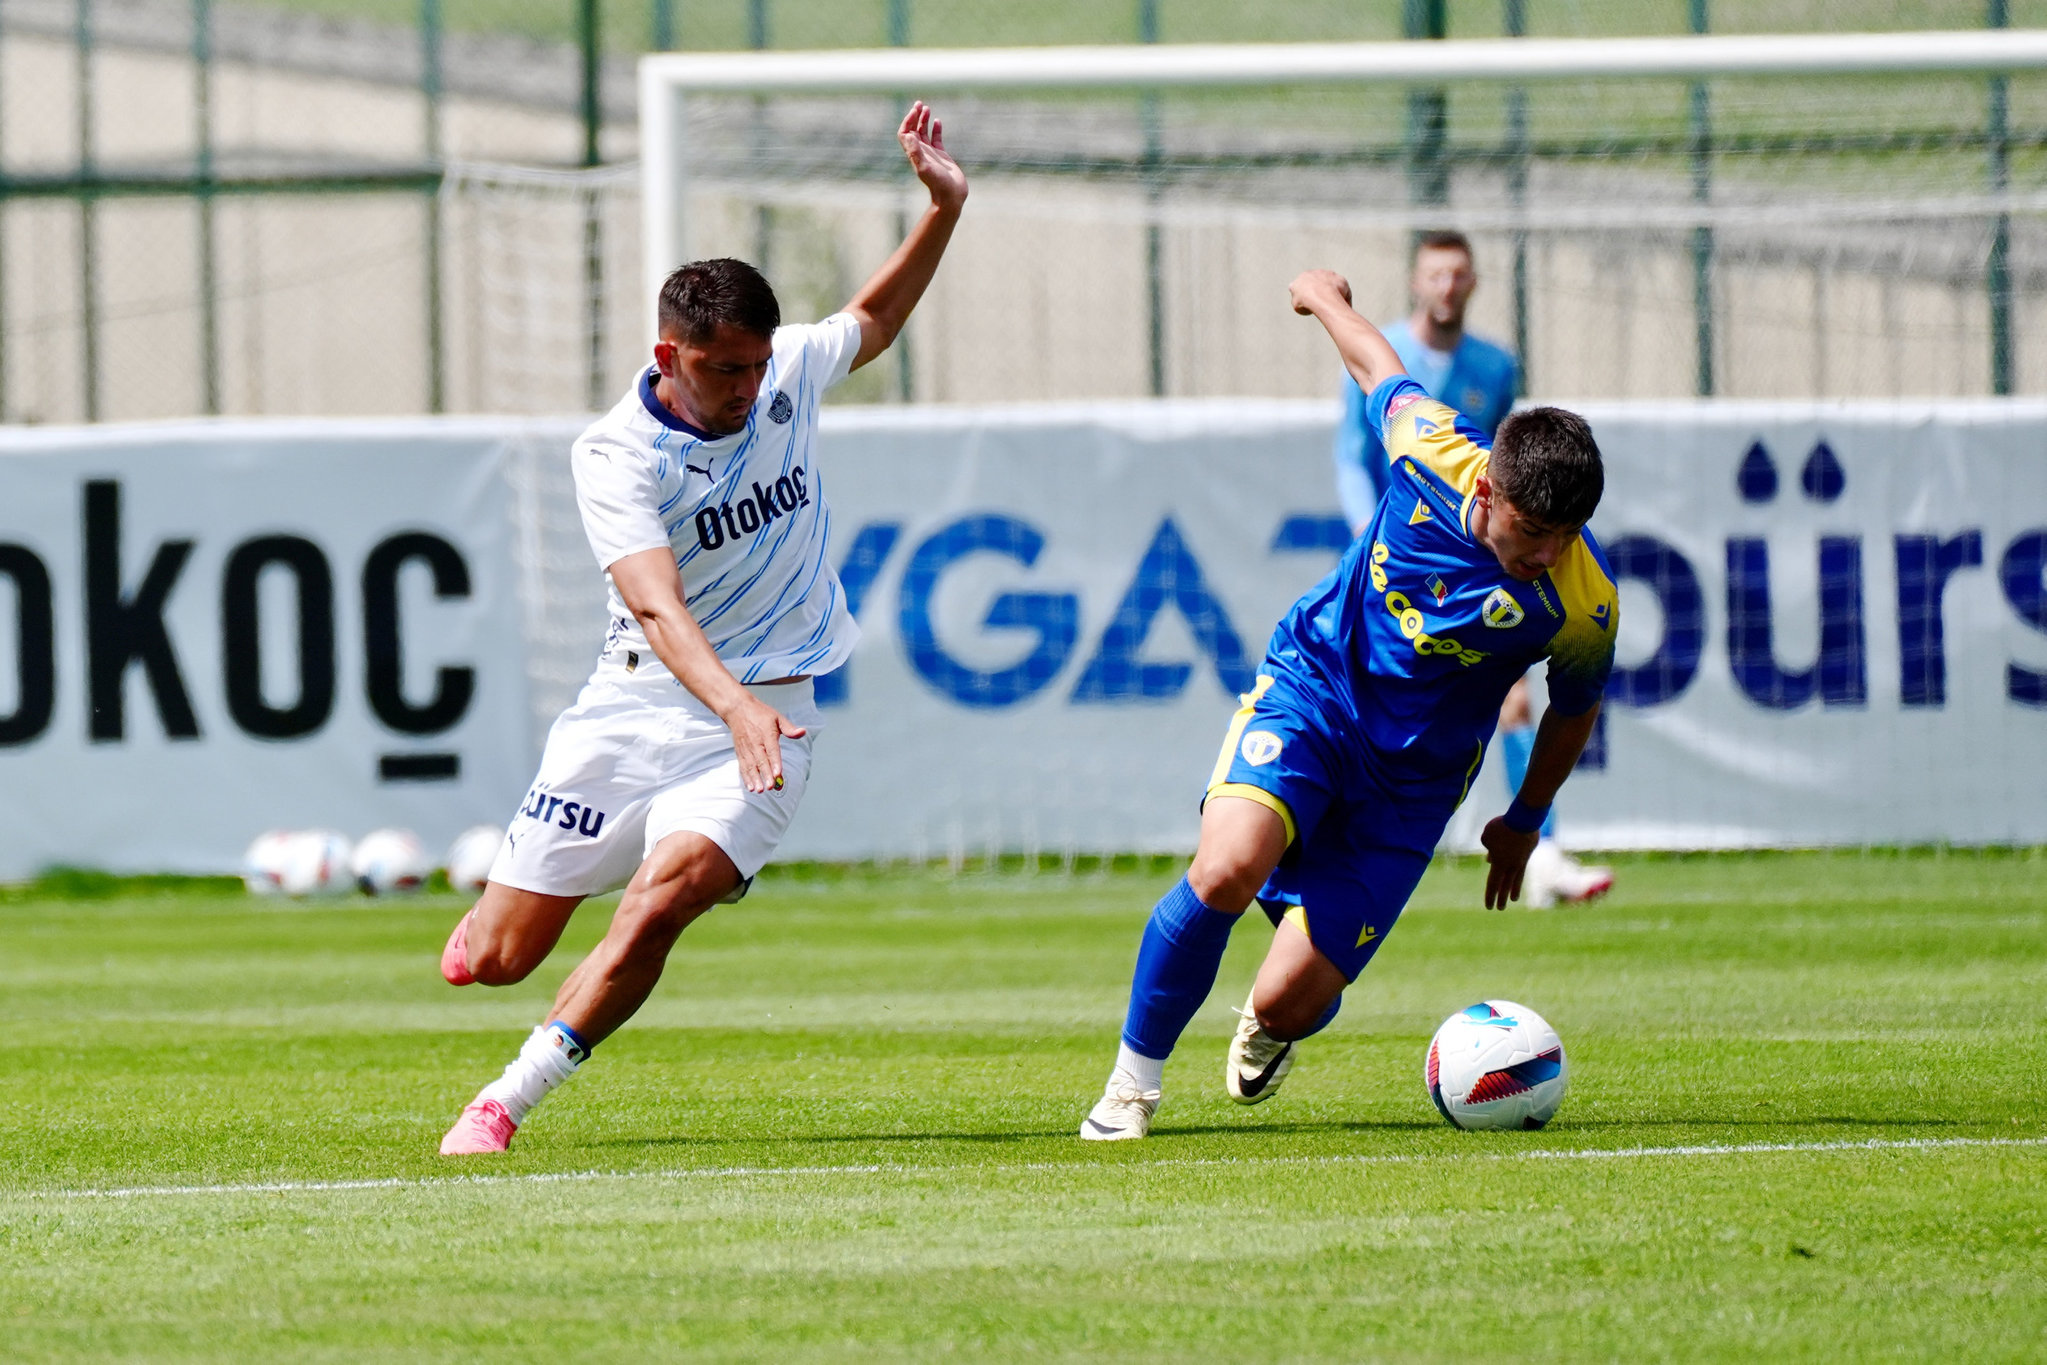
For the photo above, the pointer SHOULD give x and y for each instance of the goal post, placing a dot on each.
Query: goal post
(1898, 176)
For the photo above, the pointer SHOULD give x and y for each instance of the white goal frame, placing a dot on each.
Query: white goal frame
(667, 78)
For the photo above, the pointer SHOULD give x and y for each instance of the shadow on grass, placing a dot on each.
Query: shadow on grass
(1263, 1131)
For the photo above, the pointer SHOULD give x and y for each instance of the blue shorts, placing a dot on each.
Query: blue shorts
(1358, 840)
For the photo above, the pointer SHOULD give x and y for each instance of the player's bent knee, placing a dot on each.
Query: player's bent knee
(1226, 882)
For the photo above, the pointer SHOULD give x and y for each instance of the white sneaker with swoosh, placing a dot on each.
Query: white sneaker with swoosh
(1257, 1063)
(1122, 1113)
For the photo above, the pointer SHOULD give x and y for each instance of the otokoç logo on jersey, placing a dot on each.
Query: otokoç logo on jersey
(731, 520)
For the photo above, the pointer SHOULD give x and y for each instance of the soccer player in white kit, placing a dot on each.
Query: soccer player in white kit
(682, 761)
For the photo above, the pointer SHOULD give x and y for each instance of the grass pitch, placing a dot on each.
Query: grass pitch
(1806, 1122)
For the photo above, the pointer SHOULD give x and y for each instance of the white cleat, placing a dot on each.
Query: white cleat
(1257, 1063)
(1122, 1113)
(1579, 882)
(1554, 875)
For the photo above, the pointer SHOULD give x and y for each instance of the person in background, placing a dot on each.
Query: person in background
(1479, 379)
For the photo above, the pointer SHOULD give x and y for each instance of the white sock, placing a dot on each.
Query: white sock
(1146, 1073)
(548, 1057)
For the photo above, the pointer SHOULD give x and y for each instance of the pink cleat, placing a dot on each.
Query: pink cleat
(484, 1127)
(455, 957)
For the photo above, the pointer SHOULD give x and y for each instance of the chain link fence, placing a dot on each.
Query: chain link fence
(332, 207)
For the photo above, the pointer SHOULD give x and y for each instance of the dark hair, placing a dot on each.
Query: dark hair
(1546, 463)
(1444, 239)
(698, 298)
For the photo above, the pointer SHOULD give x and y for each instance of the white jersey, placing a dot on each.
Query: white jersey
(744, 514)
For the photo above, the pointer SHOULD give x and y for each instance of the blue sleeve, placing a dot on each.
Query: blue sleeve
(1359, 484)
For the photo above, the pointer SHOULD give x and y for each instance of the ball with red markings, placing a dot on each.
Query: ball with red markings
(1496, 1064)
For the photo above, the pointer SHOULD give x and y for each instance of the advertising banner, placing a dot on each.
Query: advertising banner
(1833, 626)
(208, 630)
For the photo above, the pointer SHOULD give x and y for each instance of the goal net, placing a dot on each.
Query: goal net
(1824, 216)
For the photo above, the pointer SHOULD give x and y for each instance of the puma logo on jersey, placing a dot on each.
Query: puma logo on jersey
(1420, 514)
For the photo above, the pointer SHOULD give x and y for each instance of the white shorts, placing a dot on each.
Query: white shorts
(631, 763)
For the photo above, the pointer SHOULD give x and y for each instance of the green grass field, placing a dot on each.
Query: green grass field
(1807, 1121)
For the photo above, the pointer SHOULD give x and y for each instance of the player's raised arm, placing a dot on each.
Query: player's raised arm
(1325, 296)
(883, 304)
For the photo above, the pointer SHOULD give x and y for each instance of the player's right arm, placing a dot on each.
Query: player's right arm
(1325, 296)
(651, 587)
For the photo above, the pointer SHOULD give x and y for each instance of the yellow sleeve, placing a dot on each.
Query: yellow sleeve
(1425, 431)
(1581, 652)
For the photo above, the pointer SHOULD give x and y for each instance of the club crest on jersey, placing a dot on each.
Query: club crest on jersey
(781, 409)
(1260, 747)
(1501, 611)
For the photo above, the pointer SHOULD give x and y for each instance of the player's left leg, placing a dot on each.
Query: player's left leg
(1355, 876)
(707, 836)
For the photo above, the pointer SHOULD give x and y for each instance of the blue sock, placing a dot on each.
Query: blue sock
(1176, 965)
(1515, 747)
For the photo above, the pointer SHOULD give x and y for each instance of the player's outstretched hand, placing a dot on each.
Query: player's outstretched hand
(757, 730)
(923, 139)
(1317, 287)
(1506, 855)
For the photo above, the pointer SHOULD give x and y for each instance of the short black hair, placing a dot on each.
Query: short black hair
(1441, 239)
(1546, 463)
(699, 298)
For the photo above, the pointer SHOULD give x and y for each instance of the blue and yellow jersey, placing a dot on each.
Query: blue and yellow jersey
(1419, 632)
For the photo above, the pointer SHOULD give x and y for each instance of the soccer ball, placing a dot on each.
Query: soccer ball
(469, 859)
(389, 862)
(263, 864)
(315, 864)
(1496, 1064)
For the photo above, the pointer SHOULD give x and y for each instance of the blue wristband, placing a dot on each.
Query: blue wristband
(1525, 818)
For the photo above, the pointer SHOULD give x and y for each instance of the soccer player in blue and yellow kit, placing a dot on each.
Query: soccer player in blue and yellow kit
(1370, 717)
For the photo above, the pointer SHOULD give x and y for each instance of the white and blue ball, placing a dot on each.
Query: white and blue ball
(1496, 1064)
(471, 856)
(316, 864)
(263, 865)
(390, 862)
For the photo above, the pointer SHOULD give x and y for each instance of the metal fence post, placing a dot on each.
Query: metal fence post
(590, 31)
(430, 91)
(899, 36)
(1154, 238)
(88, 261)
(1515, 21)
(1428, 110)
(1997, 268)
(209, 282)
(1702, 233)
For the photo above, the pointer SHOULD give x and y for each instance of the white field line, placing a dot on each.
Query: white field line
(771, 1172)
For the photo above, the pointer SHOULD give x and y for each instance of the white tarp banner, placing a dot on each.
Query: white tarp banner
(1834, 623)
(1834, 626)
(212, 629)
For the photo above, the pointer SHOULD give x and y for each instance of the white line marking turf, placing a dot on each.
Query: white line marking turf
(771, 1172)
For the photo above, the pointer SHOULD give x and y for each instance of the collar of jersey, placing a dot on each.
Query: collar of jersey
(658, 410)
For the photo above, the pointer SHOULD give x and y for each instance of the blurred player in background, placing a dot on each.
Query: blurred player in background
(683, 759)
(1480, 380)
(1370, 718)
